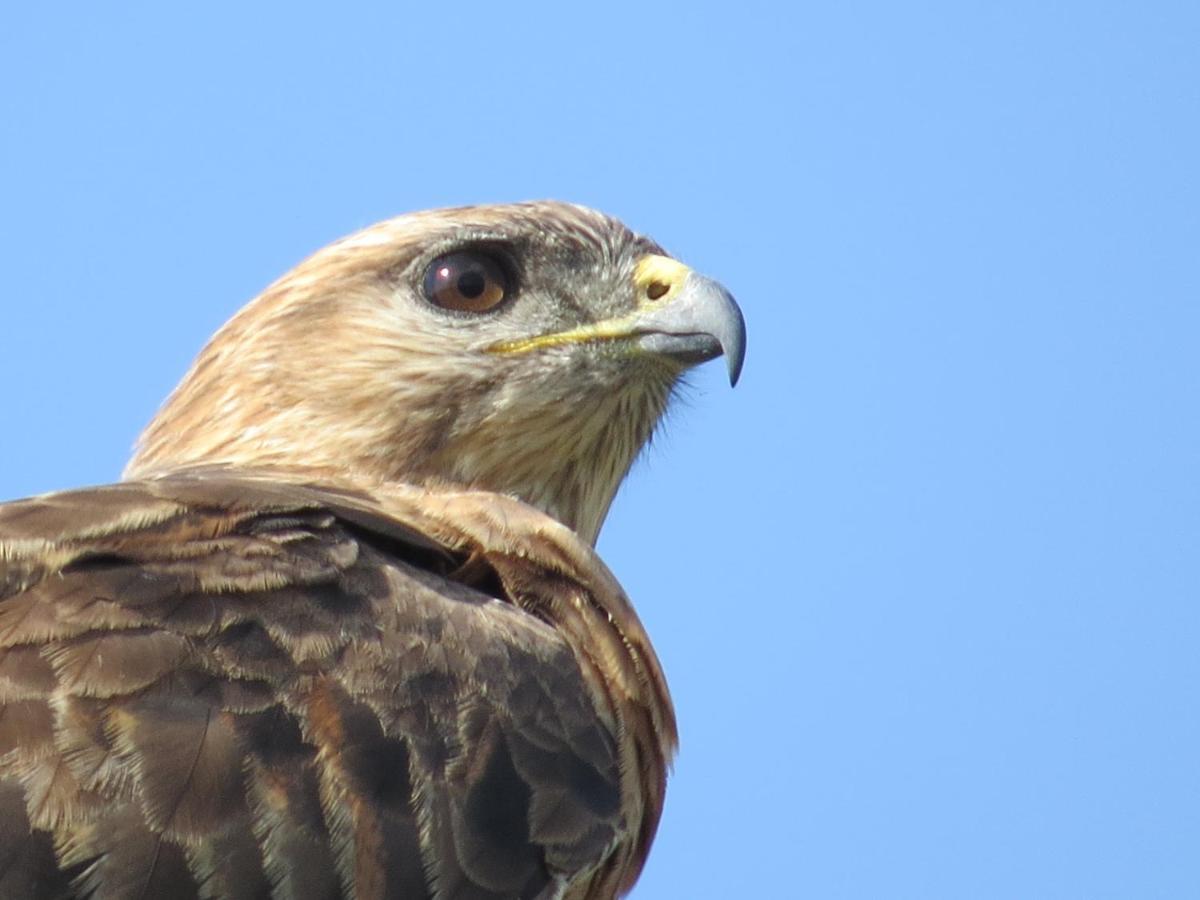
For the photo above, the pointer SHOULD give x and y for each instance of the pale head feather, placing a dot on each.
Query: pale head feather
(342, 367)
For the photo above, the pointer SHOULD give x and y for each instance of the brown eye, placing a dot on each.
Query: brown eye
(468, 281)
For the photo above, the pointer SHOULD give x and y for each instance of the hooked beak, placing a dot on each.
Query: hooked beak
(700, 323)
(680, 315)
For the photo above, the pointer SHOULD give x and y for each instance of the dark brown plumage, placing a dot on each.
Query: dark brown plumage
(251, 672)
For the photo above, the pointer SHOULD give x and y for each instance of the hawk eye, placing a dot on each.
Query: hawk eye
(466, 281)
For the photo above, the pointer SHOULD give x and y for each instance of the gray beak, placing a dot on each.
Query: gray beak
(700, 324)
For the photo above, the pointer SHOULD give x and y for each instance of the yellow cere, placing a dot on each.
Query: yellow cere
(652, 273)
(658, 280)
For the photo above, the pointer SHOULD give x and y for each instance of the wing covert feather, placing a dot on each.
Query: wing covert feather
(230, 687)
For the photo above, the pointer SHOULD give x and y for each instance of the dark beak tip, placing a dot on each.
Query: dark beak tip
(735, 353)
(735, 371)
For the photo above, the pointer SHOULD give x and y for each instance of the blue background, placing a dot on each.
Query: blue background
(926, 583)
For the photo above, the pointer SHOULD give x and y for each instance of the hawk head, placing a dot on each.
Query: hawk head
(527, 349)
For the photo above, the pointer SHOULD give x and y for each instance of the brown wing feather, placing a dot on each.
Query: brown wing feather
(226, 687)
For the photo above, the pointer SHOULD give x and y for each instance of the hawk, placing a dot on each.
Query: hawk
(341, 630)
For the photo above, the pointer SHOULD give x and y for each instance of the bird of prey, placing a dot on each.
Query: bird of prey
(341, 630)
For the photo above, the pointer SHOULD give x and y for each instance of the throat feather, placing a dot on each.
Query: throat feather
(567, 464)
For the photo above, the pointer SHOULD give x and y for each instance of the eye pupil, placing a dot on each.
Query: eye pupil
(466, 281)
(471, 284)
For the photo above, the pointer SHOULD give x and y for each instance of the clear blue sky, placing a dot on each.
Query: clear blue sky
(932, 609)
